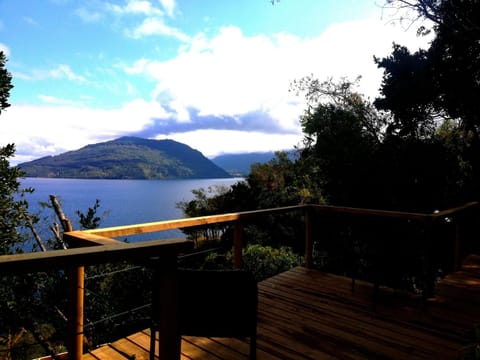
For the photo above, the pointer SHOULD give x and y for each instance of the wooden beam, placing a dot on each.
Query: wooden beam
(76, 284)
(83, 239)
(64, 259)
(165, 288)
(238, 245)
(372, 212)
(457, 209)
(136, 229)
(308, 239)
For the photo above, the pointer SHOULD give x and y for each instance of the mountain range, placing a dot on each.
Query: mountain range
(240, 164)
(127, 158)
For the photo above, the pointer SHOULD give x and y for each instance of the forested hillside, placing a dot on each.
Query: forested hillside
(240, 164)
(127, 158)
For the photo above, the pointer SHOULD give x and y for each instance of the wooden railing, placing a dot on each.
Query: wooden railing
(92, 247)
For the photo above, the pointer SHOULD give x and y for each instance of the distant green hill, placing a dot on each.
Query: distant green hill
(240, 164)
(127, 158)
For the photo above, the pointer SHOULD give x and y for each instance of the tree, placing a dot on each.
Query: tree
(22, 298)
(5, 83)
(453, 58)
(407, 92)
(206, 202)
(13, 206)
(441, 83)
(342, 132)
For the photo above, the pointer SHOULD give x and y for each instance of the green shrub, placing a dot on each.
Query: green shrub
(262, 261)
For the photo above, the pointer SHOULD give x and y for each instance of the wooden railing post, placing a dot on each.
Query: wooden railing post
(165, 292)
(428, 261)
(458, 245)
(238, 245)
(308, 238)
(76, 281)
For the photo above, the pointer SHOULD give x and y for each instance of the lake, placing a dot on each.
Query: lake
(122, 202)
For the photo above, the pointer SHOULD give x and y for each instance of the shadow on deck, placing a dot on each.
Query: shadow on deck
(307, 314)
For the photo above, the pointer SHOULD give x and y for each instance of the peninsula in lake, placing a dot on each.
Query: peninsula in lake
(127, 158)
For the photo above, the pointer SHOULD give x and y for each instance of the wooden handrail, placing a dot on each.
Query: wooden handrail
(117, 251)
(456, 210)
(62, 259)
(136, 229)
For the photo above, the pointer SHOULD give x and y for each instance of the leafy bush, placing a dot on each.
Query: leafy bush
(262, 261)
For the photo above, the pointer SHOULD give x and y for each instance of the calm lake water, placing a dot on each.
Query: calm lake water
(122, 202)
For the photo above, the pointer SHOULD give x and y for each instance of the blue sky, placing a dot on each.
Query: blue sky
(212, 74)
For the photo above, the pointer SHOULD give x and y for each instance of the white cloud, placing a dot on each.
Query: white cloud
(137, 68)
(50, 129)
(52, 100)
(134, 7)
(89, 16)
(4, 48)
(229, 76)
(155, 26)
(215, 142)
(168, 6)
(232, 74)
(62, 71)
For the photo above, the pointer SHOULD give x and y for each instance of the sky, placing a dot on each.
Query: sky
(213, 74)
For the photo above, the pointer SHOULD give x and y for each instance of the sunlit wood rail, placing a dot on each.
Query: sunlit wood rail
(98, 246)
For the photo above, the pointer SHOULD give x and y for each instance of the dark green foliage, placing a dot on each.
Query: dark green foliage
(262, 261)
(117, 298)
(127, 158)
(13, 206)
(342, 152)
(440, 84)
(5, 83)
(206, 202)
(407, 92)
(379, 250)
(471, 351)
(34, 302)
(90, 220)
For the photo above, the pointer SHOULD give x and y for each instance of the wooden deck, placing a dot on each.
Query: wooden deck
(306, 314)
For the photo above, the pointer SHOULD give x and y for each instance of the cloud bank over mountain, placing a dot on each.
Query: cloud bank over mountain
(220, 90)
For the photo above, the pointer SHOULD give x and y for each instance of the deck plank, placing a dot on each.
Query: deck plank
(306, 314)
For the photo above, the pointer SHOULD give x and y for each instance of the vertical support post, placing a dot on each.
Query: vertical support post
(308, 238)
(166, 288)
(428, 275)
(238, 245)
(76, 279)
(458, 245)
